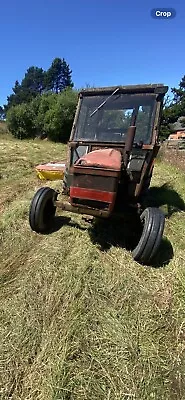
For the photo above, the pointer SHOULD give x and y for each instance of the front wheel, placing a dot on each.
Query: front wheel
(152, 220)
(42, 210)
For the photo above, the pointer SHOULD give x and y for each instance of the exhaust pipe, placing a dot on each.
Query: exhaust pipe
(129, 144)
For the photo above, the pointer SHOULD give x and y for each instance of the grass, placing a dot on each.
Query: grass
(173, 155)
(79, 318)
(3, 127)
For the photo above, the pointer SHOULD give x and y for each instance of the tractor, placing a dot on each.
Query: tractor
(110, 160)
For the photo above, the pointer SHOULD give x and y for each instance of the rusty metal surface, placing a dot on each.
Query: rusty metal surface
(106, 183)
(93, 171)
(129, 144)
(147, 147)
(99, 189)
(156, 123)
(97, 145)
(126, 213)
(91, 204)
(88, 177)
(66, 206)
(75, 118)
(145, 171)
(153, 88)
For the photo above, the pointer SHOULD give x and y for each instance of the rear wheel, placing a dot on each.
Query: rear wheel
(152, 220)
(42, 210)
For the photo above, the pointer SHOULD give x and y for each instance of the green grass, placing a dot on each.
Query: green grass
(79, 318)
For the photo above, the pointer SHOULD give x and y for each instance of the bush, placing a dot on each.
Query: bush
(50, 114)
(20, 121)
(41, 105)
(58, 119)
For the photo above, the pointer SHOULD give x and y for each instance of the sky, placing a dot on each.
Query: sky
(105, 42)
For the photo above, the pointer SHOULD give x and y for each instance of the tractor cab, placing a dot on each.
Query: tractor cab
(122, 121)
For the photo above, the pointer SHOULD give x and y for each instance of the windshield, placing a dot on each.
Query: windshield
(110, 123)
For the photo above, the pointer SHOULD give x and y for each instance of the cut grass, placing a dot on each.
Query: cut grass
(3, 128)
(17, 162)
(79, 318)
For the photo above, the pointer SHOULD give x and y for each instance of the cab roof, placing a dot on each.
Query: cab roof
(157, 88)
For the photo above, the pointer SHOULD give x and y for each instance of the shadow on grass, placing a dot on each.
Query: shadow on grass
(108, 233)
(60, 221)
(166, 196)
(112, 232)
(164, 254)
(126, 234)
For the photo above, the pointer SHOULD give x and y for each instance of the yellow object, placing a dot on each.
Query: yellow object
(50, 175)
(50, 171)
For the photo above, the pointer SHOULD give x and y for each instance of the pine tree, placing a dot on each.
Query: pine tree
(176, 109)
(31, 86)
(37, 81)
(179, 93)
(66, 75)
(34, 80)
(53, 76)
(58, 76)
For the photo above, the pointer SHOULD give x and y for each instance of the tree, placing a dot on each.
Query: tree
(58, 76)
(31, 85)
(34, 80)
(50, 114)
(37, 81)
(179, 93)
(173, 110)
(17, 87)
(170, 115)
(66, 76)
(14, 98)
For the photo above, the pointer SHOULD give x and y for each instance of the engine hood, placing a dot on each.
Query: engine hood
(103, 158)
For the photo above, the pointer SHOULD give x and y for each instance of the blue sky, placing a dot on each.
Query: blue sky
(105, 42)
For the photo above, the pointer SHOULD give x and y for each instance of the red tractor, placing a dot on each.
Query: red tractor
(111, 152)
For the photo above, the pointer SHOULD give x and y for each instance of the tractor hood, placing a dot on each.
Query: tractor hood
(103, 158)
(95, 180)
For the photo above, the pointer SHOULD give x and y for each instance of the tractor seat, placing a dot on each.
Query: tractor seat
(102, 158)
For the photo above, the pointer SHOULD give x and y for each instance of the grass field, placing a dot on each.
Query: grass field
(3, 127)
(79, 318)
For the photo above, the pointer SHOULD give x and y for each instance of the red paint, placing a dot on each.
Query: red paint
(103, 158)
(92, 194)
